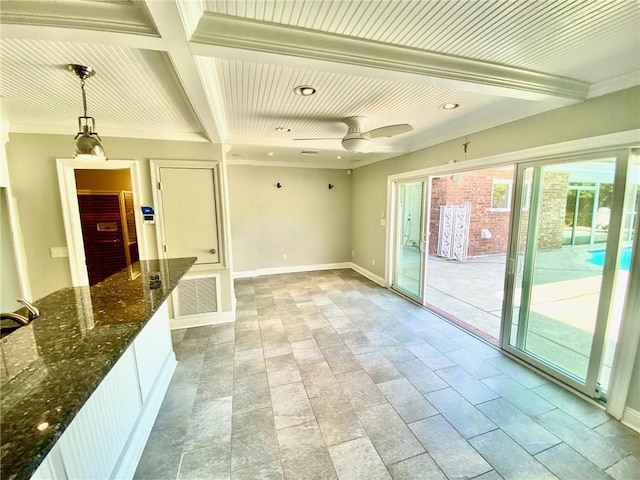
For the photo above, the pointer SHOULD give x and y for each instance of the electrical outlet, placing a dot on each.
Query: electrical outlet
(284, 256)
(373, 261)
(59, 252)
(353, 253)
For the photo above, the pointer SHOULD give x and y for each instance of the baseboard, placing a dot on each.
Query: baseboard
(292, 269)
(631, 418)
(371, 276)
(132, 450)
(203, 319)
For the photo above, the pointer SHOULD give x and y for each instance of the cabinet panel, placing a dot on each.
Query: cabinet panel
(152, 346)
(94, 440)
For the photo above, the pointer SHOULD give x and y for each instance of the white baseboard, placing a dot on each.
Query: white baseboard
(203, 319)
(293, 269)
(371, 276)
(132, 451)
(631, 418)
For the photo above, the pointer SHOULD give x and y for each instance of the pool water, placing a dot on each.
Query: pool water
(597, 258)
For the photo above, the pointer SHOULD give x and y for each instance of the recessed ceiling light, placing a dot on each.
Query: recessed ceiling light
(339, 157)
(449, 106)
(269, 154)
(304, 90)
(282, 129)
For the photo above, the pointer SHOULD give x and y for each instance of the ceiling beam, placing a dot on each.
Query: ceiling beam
(225, 36)
(165, 15)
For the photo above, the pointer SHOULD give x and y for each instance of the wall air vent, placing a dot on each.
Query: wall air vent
(197, 295)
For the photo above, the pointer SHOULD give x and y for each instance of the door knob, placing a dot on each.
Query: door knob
(213, 251)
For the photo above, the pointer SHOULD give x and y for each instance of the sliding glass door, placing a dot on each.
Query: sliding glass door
(410, 239)
(565, 251)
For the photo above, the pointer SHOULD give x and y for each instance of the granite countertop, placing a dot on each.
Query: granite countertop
(52, 366)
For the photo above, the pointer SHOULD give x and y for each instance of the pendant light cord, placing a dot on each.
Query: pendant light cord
(84, 97)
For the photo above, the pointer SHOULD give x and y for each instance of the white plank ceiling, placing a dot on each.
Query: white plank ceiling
(225, 70)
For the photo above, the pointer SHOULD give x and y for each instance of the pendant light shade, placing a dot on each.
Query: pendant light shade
(87, 139)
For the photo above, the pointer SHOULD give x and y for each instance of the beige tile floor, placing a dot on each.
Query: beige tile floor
(327, 375)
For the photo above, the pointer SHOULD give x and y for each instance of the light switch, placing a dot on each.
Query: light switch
(59, 252)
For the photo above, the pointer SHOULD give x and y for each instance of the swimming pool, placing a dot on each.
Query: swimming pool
(597, 258)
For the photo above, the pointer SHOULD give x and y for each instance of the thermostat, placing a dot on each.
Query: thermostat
(148, 215)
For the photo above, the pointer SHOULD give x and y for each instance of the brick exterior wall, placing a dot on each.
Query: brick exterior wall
(475, 187)
(552, 210)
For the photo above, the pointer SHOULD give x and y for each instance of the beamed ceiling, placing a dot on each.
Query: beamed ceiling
(224, 70)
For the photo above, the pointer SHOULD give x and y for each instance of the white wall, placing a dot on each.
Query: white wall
(304, 219)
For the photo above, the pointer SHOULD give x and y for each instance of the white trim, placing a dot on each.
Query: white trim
(71, 213)
(627, 139)
(631, 418)
(202, 319)
(321, 164)
(622, 82)
(132, 451)
(311, 268)
(224, 36)
(293, 269)
(371, 276)
(628, 337)
(154, 167)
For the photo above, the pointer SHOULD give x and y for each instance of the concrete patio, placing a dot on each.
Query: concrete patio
(563, 303)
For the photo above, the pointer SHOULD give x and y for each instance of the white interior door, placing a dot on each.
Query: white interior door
(188, 202)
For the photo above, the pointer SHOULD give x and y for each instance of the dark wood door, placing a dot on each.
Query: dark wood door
(104, 245)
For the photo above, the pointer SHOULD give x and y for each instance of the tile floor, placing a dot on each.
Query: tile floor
(327, 375)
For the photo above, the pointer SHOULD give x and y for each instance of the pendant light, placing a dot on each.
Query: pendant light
(87, 139)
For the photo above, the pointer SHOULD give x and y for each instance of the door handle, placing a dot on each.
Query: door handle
(213, 251)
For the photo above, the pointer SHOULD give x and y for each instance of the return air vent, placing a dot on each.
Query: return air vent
(197, 296)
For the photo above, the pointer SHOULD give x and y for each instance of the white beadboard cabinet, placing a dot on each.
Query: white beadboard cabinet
(106, 438)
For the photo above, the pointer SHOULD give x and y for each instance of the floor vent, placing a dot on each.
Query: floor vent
(197, 295)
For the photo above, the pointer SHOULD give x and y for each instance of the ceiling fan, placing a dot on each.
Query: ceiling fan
(357, 140)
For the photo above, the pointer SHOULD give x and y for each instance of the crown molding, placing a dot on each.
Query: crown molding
(296, 164)
(240, 34)
(122, 17)
(106, 133)
(628, 80)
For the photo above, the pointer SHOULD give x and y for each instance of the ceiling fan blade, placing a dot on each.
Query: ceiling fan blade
(390, 130)
(325, 138)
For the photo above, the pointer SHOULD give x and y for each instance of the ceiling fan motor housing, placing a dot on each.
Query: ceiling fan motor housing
(355, 142)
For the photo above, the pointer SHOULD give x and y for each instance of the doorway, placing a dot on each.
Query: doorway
(131, 219)
(105, 201)
(564, 310)
(410, 239)
(451, 241)
(533, 257)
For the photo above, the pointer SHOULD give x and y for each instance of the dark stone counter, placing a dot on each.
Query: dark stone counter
(52, 366)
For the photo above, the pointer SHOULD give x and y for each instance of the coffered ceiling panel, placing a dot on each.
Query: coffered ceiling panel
(546, 36)
(260, 97)
(134, 92)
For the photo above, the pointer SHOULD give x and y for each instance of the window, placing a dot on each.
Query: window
(501, 195)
